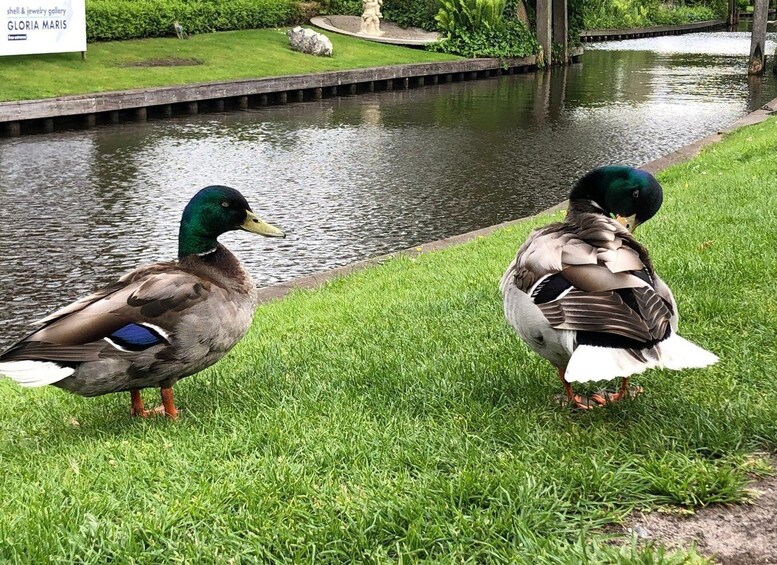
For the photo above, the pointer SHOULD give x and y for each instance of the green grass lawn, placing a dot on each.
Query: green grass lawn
(393, 415)
(223, 56)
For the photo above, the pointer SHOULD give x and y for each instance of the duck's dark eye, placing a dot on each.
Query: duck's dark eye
(635, 194)
(225, 204)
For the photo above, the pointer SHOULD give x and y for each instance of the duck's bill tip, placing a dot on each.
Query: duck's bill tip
(254, 224)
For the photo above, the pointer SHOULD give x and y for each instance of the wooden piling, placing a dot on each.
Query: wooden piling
(544, 31)
(758, 39)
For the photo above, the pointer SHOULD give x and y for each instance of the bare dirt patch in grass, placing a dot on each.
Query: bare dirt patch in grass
(166, 62)
(744, 534)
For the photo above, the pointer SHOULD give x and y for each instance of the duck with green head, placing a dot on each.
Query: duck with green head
(156, 324)
(583, 294)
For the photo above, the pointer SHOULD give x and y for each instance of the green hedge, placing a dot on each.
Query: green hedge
(618, 14)
(405, 13)
(108, 20)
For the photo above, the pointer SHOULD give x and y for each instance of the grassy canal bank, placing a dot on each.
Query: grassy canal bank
(393, 414)
(211, 57)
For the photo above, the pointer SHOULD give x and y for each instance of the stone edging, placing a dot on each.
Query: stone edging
(625, 33)
(280, 290)
(245, 93)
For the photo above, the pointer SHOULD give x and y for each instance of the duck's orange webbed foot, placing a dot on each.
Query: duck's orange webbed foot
(167, 408)
(600, 398)
(604, 397)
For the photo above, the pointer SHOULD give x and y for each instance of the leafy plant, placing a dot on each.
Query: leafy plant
(504, 39)
(602, 14)
(456, 16)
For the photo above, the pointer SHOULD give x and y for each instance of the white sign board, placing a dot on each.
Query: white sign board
(42, 26)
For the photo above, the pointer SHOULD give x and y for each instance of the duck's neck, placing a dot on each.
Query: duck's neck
(580, 206)
(219, 263)
(194, 241)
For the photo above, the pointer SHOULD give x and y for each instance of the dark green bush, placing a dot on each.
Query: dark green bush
(506, 39)
(411, 13)
(128, 19)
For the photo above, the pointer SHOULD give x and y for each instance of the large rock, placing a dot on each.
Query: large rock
(308, 41)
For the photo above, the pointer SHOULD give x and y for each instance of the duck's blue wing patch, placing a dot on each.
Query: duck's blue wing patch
(136, 337)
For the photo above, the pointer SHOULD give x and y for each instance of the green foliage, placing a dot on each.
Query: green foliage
(682, 15)
(108, 20)
(405, 13)
(505, 39)
(469, 16)
(342, 7)
(619, 14)
(411, 13)
(477, 28)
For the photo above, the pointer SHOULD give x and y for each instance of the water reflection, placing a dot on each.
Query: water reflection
(349, 178)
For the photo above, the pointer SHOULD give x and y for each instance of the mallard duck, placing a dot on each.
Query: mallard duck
(156, 324)
(583, 294)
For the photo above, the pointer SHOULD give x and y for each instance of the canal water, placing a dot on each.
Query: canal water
(353, 177)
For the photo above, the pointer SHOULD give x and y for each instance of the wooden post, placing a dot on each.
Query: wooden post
(774, 61)
(758, 40)
(733, 14)
(13, 129)
(544, 20)
(561, 28)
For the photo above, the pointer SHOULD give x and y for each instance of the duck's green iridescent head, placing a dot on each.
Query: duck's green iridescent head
(632, 195)
(213, 211)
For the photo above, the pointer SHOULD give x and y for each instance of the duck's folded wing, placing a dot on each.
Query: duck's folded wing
(637, 314)
(137, 312)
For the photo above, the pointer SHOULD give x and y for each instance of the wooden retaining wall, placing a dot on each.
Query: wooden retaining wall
(613, 34)
(88, 110)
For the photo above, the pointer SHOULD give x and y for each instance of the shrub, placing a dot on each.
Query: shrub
(128, 19)
(505, 39)
(411, 13)
(601, 14)
(405, 13)
(342, 7)
(457, 16)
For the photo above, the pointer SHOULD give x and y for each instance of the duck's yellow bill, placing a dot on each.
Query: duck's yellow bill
(255, 224)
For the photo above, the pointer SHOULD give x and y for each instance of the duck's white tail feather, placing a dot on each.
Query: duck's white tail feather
(35, 373)
(678, 353)
(594, 363)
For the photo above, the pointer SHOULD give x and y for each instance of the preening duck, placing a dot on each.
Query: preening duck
(156, 324)
(583, 294)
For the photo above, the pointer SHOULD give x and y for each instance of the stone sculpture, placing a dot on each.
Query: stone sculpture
(371, 17)
(308, 41)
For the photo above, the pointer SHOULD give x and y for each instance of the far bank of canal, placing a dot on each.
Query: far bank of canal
(353, 177)
(92, 109)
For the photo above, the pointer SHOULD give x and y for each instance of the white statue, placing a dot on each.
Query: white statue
(371, 17)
